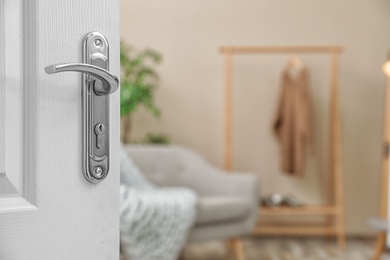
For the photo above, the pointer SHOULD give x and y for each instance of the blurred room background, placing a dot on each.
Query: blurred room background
(189, 93)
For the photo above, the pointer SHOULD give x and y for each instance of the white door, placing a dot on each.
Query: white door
(48, 209)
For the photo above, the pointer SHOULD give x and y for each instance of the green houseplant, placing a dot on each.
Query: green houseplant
(139, 80)
(156, 138)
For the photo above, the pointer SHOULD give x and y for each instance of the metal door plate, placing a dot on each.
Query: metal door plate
(96, 118)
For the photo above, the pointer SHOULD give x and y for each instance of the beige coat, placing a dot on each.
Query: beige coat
(293, 122)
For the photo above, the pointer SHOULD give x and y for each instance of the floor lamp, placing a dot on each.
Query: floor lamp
(383, 223)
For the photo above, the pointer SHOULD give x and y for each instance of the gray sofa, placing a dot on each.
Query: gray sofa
(228, 202)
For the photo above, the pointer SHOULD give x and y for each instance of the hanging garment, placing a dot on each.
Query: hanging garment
(293, 122)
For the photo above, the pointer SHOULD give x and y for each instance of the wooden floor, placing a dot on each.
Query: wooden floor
(287, 249)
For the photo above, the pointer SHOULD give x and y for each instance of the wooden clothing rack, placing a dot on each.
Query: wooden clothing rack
(333, 211)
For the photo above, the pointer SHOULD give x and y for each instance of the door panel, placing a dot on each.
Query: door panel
(73, 212)
(53, 212)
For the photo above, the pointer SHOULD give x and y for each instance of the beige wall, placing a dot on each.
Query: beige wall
(188, 34)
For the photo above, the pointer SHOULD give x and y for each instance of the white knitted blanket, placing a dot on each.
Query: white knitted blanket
(154, 222)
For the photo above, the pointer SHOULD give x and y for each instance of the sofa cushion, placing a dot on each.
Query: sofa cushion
(219, 209)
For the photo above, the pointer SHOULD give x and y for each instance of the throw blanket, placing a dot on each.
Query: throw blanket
(154, 222)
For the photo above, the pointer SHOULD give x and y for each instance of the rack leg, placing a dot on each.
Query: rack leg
(238, 249)
(379, 246)
(341, 240)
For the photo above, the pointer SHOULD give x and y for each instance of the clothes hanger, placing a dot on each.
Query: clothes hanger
(294, 66)
(295, 62)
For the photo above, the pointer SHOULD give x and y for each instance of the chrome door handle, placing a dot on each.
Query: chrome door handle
(110, 80)
(97, 85)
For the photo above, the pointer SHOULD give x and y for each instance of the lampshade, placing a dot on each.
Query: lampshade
(386, 68)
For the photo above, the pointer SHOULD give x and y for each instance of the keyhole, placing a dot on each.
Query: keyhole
(99, 129)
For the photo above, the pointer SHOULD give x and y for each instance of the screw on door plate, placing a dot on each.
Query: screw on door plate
(98, 172)
(98, 43)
